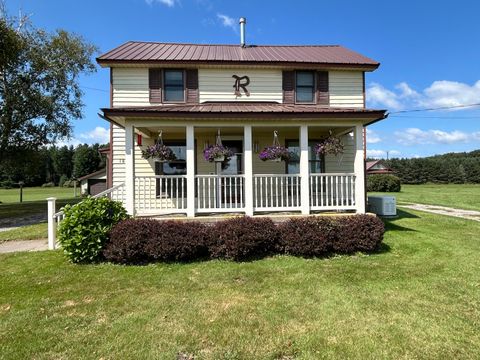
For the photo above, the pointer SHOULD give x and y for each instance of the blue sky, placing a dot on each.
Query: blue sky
(428, 50)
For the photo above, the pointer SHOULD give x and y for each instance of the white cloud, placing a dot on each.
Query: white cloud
(169, 3)
(373, 137)
(376, 154)
(227, 21)
(440, 93)
(379, 154)
(413, 136)
(99, 135)
(377, 95)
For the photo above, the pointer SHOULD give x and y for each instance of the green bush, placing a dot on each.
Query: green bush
(63, 180)
(85, 229)
(383, 183)
(7, 184)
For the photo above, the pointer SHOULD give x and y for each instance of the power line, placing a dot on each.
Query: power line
(436, 117)
(437, 108)
(92, 88)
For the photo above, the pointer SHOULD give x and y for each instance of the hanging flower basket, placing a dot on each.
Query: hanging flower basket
(331, 145)
(159, 152)
(276, 152)
(217, 153)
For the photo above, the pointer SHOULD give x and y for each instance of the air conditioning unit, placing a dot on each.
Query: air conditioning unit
(382, 205)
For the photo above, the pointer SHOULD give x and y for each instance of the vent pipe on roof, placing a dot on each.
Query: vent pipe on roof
(243, 21)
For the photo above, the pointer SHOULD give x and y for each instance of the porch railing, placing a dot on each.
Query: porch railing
(219, 193)
(116, 193)
(276, 192)
(332, 191)
(160, 194)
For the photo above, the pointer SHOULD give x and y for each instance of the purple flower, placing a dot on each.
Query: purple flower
(217, 151)
(330, 145)
(159, 152)
(274, 152)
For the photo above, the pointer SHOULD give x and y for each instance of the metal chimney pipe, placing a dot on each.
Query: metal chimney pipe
(242, 22)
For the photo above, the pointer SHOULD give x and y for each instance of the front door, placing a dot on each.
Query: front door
(231, 191)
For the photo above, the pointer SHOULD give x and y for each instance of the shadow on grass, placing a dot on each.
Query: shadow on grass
(390, 223)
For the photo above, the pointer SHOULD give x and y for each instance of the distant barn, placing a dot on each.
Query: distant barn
(378, 167)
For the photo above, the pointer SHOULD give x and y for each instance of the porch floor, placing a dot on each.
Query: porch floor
(275, 216)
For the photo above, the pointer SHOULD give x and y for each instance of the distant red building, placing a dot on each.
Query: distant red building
(377, 167)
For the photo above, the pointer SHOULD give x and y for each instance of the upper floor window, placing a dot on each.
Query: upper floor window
(305, 87)
(173, 86)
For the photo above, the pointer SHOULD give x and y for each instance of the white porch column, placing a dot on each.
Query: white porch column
(359, 169)
(129, 169)
(247, 139)
(190, 132)
(304, 171)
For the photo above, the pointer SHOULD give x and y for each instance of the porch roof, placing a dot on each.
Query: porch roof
(246, 110)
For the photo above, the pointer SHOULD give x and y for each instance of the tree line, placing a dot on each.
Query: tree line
(50, 166)
(451, 168)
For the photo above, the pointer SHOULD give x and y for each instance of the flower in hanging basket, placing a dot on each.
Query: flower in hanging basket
(159, 152)
(218, 153)
(274, 153)
(331, 145)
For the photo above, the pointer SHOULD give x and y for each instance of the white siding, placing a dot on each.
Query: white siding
(346, 88)
(217, 85)
(118, 156)
(130, 87)
(342, 163)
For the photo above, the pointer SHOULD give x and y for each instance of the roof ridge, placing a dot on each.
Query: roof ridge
(235, 45)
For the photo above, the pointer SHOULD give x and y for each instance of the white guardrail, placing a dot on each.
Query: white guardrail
(116, 193)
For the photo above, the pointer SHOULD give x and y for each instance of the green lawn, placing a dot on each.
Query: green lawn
(36, 193)
(34, 201)
(29, 232)
(462, 196)
(418, 298)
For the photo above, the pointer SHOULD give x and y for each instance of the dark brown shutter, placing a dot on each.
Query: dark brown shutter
(192, 86)
(288, 86)
(155, 85)
(323, 96)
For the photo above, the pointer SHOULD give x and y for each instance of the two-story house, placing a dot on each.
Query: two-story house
(191, 95)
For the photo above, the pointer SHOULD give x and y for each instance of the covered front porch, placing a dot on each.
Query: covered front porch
(192, 186)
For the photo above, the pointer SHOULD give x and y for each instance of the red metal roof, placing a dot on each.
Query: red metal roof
(244, 107)
(148, 52)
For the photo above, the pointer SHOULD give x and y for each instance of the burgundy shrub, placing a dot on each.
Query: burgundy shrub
(243, 238)
(138, 241)
(307, 236)
(358, 233)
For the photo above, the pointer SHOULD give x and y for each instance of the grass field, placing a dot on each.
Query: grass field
(29, 232)
(462, 196)
(34, 202)
(418, 298)
(35, 194)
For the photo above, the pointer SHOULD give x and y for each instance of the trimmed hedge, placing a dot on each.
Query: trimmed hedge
(243, 238)
(140, 241)
(383, 183)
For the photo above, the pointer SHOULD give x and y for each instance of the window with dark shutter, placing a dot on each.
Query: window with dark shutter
(288, 87)
(155, 85)
(323, 96)
(192, 85)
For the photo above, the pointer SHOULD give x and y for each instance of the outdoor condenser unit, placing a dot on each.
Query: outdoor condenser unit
(382, 205)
